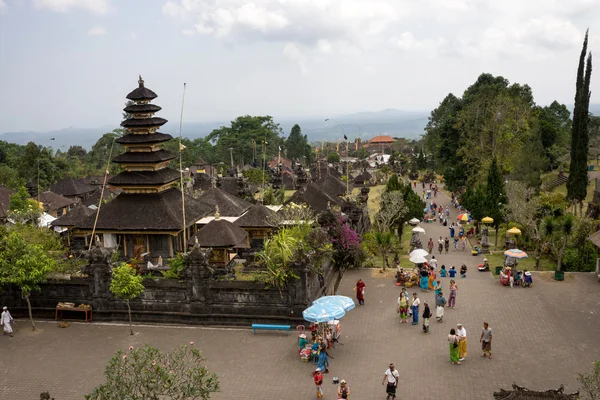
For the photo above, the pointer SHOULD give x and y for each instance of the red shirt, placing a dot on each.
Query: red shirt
(318, 378)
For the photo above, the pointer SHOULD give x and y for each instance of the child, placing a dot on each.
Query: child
(452, 272)
(528, 279)
(518, 278)
(438, 288)
(463, 271)
(443, 271)
(318, 377)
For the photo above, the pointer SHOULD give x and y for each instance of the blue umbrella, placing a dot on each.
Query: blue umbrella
(323, 312)
(344, 301)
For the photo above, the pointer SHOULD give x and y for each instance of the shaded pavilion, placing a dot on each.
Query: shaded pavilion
(73, 188)
(228, 204)
(70, 220)
(223, 238)
(334, 185)
(148, 215)
(257, 221)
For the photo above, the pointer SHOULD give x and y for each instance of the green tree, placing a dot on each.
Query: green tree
(392, 213)
(578, 176)
(77, 152)
(296, 145)
(557, 232)
(126, 285)
(23, 265)
(22, 208)
(98, 157)
(495, 195)
(554, 129)
(591, 382)
(333, 157)
(9, 177)
(277, 255)
(380, 243)
(393, 184)
(474, 200)
(532, 161)
(148, 374)
(246, 136)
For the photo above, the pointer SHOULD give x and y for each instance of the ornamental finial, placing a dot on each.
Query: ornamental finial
(141, 81)
(217, 215)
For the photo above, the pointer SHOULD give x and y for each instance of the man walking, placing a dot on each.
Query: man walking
(440, 303)
(486, 340)
(426, 316)
(5, 320)
(415, 309)
(433, 263)
(461, 334)
(391, 376)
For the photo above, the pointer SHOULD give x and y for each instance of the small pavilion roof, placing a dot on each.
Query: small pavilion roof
(142, 108)
(221, 233)
(71, 187)
(315, 197)
(55, 201)
(73, 217)
(257, 216)
(333, 185)
(229, 205)
(143, 122)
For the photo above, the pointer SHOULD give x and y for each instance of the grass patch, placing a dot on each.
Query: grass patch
(497, 260)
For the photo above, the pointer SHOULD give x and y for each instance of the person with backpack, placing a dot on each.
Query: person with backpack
(391, 377)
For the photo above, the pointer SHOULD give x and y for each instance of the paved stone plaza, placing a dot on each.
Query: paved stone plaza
(543, 336)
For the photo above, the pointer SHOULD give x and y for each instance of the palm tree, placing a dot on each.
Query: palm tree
(380, 243)
(558, 232)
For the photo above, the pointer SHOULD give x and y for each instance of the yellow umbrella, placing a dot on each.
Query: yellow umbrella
(514, 231)
(487, 220)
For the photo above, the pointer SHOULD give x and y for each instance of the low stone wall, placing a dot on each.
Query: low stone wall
(198, 298)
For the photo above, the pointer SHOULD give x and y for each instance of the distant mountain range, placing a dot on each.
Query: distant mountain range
(392, 122)
(409, 124)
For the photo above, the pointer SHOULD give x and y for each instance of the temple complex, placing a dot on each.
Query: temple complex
(147, 216)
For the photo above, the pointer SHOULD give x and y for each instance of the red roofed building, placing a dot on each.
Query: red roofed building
(381, 140)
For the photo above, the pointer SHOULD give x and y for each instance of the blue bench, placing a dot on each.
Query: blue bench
(271, 328)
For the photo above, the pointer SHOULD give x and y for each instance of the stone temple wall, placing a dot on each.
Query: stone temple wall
(195, 299)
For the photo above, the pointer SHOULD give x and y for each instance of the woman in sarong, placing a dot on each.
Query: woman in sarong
(5, 320)
(403, 307)
(453, 343)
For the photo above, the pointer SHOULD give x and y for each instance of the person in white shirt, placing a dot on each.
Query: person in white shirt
(433, 263)
(5, 320)
(415, 309)
(391, 377)
(461, 334)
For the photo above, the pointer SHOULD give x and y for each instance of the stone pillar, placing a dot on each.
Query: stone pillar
(197, 275)
(299, 296)
(99, 270)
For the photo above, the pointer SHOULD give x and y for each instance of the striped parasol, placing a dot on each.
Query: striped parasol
(515, 253)
(464, 217)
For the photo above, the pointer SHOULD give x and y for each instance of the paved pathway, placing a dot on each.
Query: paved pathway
(543, 336)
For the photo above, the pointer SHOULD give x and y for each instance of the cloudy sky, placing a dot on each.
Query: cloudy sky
(71, 62)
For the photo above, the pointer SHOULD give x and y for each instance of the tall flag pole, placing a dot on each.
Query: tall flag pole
(181, 147)
(112, 145)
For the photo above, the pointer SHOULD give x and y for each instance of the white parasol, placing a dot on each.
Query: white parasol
(418, 229)
(414, 221)
(418, 259)
(418, 253)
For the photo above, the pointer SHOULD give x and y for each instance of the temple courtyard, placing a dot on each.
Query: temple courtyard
(542, 337)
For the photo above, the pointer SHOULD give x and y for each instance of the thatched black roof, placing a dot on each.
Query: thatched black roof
(94, 198)
(54, 201)
(143, 178)
(141, 157)
(71, 187)
(520, 393)
(333, 185)
(362, 178)
(143, 122)
(74, 217)
(149, 138)
(258, 216)
(5, 194)
(139, 212)
(221, 233)
(141, 93)
(229, 205)
(142, 108)
(315, 197)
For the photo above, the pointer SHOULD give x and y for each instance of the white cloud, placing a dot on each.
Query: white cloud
(293, 53)
(307, 29)
(95, 6)
(188, 32)
(2, 6)
(97, 31)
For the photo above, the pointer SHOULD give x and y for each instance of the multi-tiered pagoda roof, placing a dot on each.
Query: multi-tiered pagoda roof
(149, 200)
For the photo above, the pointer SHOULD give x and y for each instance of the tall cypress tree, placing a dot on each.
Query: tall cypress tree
(495, 195)
(578, 177)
